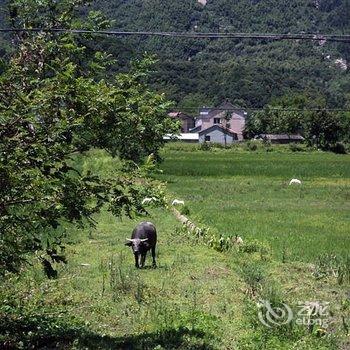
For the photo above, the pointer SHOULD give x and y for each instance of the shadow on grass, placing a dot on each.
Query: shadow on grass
(182, 338)
(42, 332)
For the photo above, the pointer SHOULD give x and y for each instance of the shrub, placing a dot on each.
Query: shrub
(205, 146)
(252, 146)
(339, 148)
(235, 146)
(256, 246)
(267, 143)
(185, 210)
(218, 145)
(294, 147)
(219, 242)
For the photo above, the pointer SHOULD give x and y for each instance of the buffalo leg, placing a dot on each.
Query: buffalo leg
(154, 256)
(137, 261)
(143, 258)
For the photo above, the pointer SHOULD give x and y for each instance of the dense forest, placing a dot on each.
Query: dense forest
(251, 73)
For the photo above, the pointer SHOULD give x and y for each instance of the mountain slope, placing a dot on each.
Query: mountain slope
(250, 72)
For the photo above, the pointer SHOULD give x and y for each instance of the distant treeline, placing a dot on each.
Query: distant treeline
(250, 73)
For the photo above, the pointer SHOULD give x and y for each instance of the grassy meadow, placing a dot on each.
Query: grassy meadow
(198, 297)
(248, 194)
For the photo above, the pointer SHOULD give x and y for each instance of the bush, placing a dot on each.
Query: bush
(339, 148)
(185, 210)
(256, 246)
(218, 145)
(267, 143)
(252, 146)
(205, 146)
(294, 147)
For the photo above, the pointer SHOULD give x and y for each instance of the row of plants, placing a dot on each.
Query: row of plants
(255, 146)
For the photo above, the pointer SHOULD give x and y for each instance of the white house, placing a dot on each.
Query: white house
(230, 122)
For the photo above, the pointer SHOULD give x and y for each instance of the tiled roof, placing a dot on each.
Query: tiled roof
(226, 105)
(280, 136)
(196, 129)
(173, 114)
(217, 126)
(180, 115)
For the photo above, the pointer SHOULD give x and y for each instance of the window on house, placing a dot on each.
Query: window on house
(207, 138)
(217, 121)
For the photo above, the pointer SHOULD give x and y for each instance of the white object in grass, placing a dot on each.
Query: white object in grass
(237, 240)
(178, 202)
(294, 182)
(148, 200)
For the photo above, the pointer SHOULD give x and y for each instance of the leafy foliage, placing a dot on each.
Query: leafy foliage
(54, 105)
(321, 128)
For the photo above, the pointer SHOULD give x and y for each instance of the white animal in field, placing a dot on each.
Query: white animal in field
(237, 240)
(177, 202)
(148, 200)
(294, 182)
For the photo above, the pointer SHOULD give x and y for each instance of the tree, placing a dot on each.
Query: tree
(250, 70)
(55, 103)
(320, 127)
(323, 129)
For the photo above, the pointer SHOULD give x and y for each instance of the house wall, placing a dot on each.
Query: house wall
(217, 136)
(237, 123)
(186, 124)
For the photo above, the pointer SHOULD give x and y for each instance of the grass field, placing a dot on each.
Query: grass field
(198, 298)
(248, 194)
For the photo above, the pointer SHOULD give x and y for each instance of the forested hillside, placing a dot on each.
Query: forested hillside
(250, 73)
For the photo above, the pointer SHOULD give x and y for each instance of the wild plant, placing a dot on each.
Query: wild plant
(256, 246)
(121, 276)
(253, 275)
(344, 271)
(331, 265)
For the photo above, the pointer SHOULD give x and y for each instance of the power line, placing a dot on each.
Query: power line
(210, 109)
(193, 35)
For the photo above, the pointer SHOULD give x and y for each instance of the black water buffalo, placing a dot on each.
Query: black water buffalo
(143, 238)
